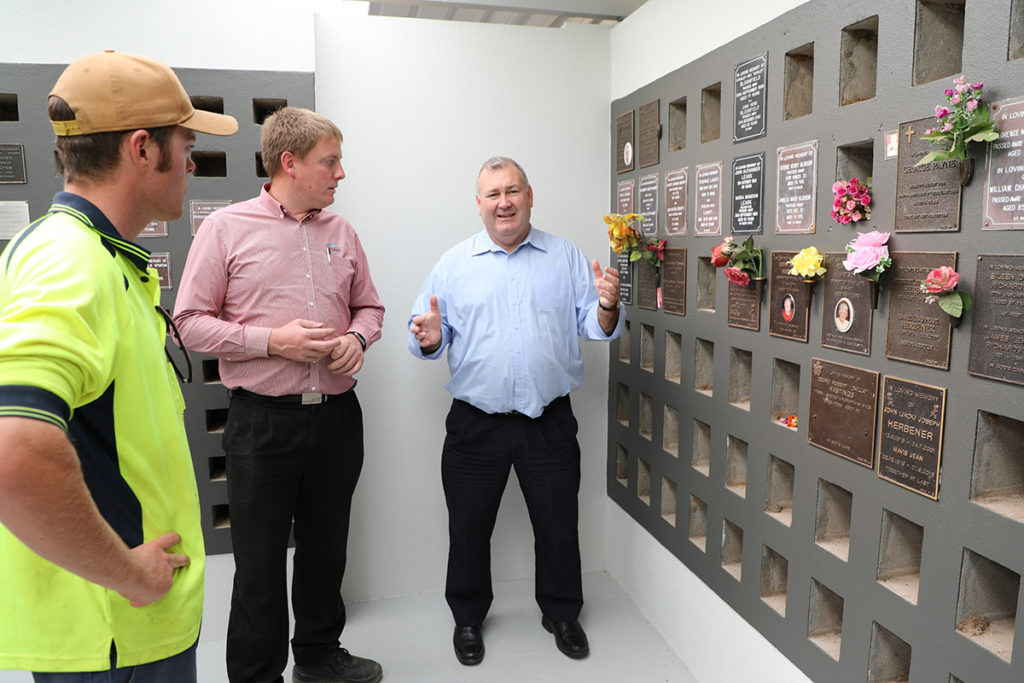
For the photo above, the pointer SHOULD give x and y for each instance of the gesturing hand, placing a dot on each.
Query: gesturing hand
(607, 285)
(426, 328)
(305, 341)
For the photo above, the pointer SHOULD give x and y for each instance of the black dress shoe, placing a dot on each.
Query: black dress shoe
(469, 645)
(569, 637)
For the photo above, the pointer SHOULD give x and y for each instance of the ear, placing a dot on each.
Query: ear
(529, 194)
(288, 164)
(139, 148)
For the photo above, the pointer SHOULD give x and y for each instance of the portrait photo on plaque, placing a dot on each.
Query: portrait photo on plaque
(846, 308)
(843, 410)
(997, 319)
(797, 187)
(1004, 169)
(917, 332)
(624, 142)
(675, 201)
(707, 218)
(789, 300)
(910, 436)
(927, 196)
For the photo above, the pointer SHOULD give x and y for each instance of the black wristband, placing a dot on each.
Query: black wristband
(362, 341)
(606, 308)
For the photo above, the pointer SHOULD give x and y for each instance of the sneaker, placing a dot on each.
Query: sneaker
(339, 667)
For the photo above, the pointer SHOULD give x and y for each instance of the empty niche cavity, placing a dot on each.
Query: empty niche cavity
(261, 170)
(8, 107)
(646, 421)
(899, 556)
(210, 368)
(1016, 46)
(704, 367)
(705, 284)
(621, 464)
(774, 575)
(736, 466)
(785, 392)
(858, 61)
(740, 370)
(677, 125)
(997, 479)
(697, 532)
(832, 519)
(986, 609)
(216, 418)
(262, 107)
(218, 468)
(622, 411)
(623, 344)
(668, 500)
(711, 112)
(673, 356)
(799, 86)
(647, 348)
(210, 164)
(732, 549)
(221, 516)
(889, 658)
(208, 103)
(938, 39)
(856, 160)
(778, 497)
(700, 458)
(670, 431)
(825, 619)
(643, 481)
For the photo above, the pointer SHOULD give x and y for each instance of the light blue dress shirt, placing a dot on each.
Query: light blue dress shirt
(512, 322)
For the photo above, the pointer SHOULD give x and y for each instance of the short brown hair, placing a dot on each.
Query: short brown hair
(295, 130)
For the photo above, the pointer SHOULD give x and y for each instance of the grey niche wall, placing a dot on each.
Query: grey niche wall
(849, 575)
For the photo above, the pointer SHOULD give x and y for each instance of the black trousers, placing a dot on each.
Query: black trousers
(479, 451)
(285, 462)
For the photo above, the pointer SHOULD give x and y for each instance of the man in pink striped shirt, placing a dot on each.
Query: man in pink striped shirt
(279, 290)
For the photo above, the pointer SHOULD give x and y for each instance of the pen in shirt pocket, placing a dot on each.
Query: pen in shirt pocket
(332, 248)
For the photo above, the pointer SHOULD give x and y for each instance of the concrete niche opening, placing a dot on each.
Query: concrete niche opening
(645, 424)
(832, 519)
(8, 107)
(677, 125)
(855, 160)
(621, 464)
(889, 658)
(799, 86)
(732, 549)
(736, 466)
(785, 391)
(899, 556)
(986, 608)
(778, 499)
(938, 39)
(711, 112)
(740, 370)
(643, 481)
(774, 575)
(697, 532)
(622, 405)
(673, 356)
(700, 458)
(858, 61)
(668, 500)
(704, 367)
(825, 619)
(647, 348)
(670, 431)
(705, 284)
(622, 343)
(997, 479)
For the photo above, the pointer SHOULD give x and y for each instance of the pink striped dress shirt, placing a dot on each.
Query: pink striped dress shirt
(253, 267)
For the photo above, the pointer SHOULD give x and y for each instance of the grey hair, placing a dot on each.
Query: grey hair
(495, 163)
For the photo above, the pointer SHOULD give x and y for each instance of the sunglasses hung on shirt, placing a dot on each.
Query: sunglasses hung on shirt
(185, 379)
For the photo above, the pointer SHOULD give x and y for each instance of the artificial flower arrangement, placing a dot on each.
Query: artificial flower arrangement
(623, 236)
(852, 201)
(940, 287)
(742, 262)
(967, 121)
(808, 264)
(868, 255)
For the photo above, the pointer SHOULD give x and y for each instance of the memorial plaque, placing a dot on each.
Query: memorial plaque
(751, 80)
(648, 189)
(675, 202)
(648, 133)
(797, 188)
(12, 164)
(646, 286)
(910, 442)
(790, 300)
(707, 220)
(847, 299)
(997, 319)
(1004, 169)
(918, 332)
(928, 196)
(673, 281)
(154, 229)
(201, 208)
(13, 217)
(161, 261)
(624, 142)
(747, 193)
(624, 196)
(624, 265)
(745, 305)
(843, 408)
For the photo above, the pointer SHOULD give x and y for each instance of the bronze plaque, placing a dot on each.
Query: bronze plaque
(161, 261)
(918, 332)
(625, 267)
(673, 282)
(910, 440)
(675, 202)
(648, 133)
(928, 196)
(707, 219)
(797, 187)
(997, 322)
(646, 286)
(649, 204)
(745, 305)
(748, 193)
(154, 229)
(624, 196)
(751, 81)
(846, 308)
(1004, 169)
(624, 142)
(12, 164)
(844, 404)
(790, 300)
(201, 208)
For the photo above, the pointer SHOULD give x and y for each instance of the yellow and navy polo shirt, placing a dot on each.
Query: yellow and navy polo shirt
(82, 347)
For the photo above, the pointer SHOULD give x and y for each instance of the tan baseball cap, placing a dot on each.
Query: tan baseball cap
(112, 91)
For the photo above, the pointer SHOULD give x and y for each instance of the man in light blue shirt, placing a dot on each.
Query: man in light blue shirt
(511, 303)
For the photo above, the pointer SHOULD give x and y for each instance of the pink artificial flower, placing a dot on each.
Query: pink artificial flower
(960, 80)
(962, 87)
(955, 99)
(851, 205)
(837, 204)
(835, 215)
(940, 280)
(869, 239)
(736, 276)
(949, 92)
(866, 250)
(929, 131)
(845, 220)
(838, 187)
(854, 182)
(940, 111)
(948, 127)
(972, 105)
(979, 85)
(856, 216)
(865, 199)
(718, 259)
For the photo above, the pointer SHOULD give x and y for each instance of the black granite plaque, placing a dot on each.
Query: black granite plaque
(154, 229)
(745, 305)
(646, 286)
(624, 265)
(161, 261)
(624, 196)
(707, 220)
(749, 98)
(648, 133)
(1004, 169)
(843, 408)
(918, 332)
(747, 193)
(673, 281)
(12, 164)
(790, 299)
(910, 440)
(927, 196)
(997, 322)
(846, 308)
(675, 202)
(201, 208)
(648, 190)
(797, 188)
(624, 142)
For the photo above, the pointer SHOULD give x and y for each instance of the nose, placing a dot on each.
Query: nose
(340, 173)
(190, 165)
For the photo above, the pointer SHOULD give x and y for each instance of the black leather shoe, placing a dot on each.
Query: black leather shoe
(569, 637)
(469, 645)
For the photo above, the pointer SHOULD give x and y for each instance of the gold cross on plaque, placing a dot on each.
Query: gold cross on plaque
(910, 132)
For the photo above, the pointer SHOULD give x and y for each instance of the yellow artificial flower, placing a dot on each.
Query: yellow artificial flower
(808, 264)
(621, 234)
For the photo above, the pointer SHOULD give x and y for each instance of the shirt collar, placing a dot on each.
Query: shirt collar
(276, 208)
(482, 242)
(88, 213)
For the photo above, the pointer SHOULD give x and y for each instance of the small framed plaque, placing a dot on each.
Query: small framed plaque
(751, 81)
(13, 217)
(649, 204)
(646, 286)
(797, 188)
(154, 229)
(648, 134)
(12, 164)
(790, 300)
(843, 409)
(673, 281)
(161, 261)
(892, 144)
(707, 221)
(201, 208)
(748, 194)
(624, 196)
(744, 309)
(624, 142)
(918, 332)
(927, 197)
(675, 202)
(997, 322)
(910, 438)
(1004, 169)
(624, 265)
(846, 308)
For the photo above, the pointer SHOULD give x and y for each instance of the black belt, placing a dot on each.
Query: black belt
(309, 399)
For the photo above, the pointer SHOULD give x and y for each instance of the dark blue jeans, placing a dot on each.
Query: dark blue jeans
(180, 668)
